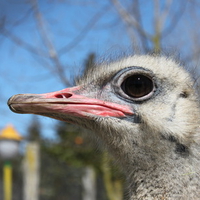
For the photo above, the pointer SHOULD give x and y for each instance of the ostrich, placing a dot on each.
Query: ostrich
(145, 110)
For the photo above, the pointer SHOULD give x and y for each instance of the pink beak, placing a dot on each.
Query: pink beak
(66, 102)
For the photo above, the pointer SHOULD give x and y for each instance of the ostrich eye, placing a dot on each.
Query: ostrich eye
(137, 86)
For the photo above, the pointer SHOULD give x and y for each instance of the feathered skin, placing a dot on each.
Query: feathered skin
(151, 129)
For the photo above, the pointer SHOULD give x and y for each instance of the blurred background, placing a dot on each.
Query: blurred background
(46, 44)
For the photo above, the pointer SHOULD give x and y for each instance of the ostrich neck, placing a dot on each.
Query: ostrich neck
(167, 181)
(156, 172)
(156, 168)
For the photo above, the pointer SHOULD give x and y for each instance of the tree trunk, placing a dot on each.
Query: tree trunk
(89, 184)
(114, 188)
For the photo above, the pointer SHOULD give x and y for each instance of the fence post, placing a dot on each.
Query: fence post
(31, 171)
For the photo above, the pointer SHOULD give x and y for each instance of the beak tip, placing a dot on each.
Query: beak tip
(10, 103)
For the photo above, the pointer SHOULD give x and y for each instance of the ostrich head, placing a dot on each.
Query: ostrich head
(145, 110)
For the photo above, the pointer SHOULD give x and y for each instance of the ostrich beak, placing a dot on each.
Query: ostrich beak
(68, 102)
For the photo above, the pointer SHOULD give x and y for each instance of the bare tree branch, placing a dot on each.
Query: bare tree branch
(85, 30)
(156, 38)
(130, 22)
(161, 16)
(22, 19)
(48, 43)
(22, 43)
(143, 38)
(175, 18)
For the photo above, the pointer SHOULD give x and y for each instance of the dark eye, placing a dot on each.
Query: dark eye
(137, 86)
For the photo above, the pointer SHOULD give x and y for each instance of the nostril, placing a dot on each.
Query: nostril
(58, 96)
(63, 95)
